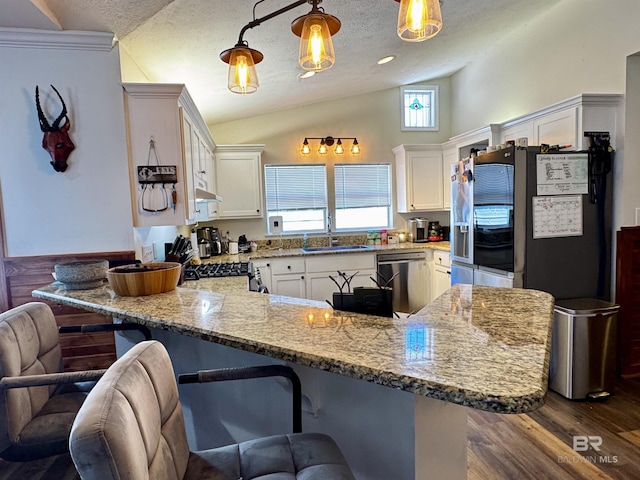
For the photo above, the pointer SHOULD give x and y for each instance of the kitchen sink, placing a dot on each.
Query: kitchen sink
(336, 248)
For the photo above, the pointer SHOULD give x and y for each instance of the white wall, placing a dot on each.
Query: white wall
(373, 118)
(87, 208)
(577, 46)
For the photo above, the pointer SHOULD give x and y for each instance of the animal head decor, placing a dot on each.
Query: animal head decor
(56, 139)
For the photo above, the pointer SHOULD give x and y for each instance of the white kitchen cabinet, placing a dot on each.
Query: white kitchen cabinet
(238, 171)
(450, 155)
(288, 277)
(519, 130)
(262, 269)
(207, 210)
(318, 268)
(203, 165)
(165, 113)
(419, 178)
(308, 276)
(558, 128)
(441, 273)
(564, 123)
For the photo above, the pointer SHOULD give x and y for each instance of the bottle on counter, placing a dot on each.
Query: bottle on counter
(305, 241)
(383, 237)
(225, 242)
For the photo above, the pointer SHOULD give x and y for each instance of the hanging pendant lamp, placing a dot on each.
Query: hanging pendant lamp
(242, 60)
(315, 31)
(419, 20)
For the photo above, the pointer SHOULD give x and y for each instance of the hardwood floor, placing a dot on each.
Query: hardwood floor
(505, 447)
(540, 444)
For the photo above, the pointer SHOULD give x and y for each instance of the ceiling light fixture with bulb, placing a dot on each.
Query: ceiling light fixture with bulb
(417, 20)
(329, 141)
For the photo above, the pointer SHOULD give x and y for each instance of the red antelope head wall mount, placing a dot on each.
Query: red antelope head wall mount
(56, 139)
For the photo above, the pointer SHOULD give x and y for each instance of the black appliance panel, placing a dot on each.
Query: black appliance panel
(493, 210)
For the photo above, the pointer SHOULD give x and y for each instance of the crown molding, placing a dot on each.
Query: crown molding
(68, 39)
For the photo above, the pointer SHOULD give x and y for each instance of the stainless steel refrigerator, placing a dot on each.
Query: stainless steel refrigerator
(521, 217)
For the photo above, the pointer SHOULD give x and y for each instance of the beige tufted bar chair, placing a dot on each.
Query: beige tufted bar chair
(131, 427)
(38, 401)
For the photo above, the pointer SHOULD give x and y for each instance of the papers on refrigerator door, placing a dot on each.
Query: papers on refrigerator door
(562, 174)
(557, 216)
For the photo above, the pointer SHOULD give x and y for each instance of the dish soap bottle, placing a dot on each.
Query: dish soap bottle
(305, 241)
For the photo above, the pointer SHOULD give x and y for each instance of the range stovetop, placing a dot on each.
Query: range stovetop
(210, 270)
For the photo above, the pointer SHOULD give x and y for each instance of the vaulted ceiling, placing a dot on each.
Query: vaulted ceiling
(179, 41)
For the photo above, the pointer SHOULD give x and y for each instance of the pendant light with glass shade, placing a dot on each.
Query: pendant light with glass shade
(315, 31)
(419, 20)
(242, 61)
(315, 54)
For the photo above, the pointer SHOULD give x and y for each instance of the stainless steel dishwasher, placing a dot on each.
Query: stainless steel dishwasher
(410, 285)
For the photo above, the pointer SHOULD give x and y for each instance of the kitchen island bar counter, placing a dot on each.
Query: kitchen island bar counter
(481, 347)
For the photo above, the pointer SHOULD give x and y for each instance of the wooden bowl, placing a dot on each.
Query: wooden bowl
(145, 278)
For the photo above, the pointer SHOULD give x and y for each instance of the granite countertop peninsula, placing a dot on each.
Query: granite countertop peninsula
(482, 347)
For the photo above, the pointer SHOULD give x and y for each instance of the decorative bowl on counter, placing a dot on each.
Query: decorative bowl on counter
(81, 274)
(145, 278)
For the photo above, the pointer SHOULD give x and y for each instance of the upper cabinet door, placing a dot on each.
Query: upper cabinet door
(239, 180)
(559, 128)
(419, 178)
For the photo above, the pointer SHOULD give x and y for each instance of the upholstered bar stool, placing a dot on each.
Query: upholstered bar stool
(131, 426)
(38, 401)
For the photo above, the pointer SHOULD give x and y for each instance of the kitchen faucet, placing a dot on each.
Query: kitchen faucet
(332, 241)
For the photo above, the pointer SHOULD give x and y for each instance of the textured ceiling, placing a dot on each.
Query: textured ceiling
(179, 41)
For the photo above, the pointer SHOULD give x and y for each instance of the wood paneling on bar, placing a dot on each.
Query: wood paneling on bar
(21, 275)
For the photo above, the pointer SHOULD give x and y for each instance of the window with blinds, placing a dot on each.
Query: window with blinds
(363, 195)
(299, 194)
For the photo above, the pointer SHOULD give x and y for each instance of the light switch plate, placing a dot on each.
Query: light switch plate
(147, 253)
(275, 225)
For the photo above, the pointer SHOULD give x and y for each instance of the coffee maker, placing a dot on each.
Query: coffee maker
(418, 230)
(216, 242)
(435, 232)
(204, 242)
(209, 242)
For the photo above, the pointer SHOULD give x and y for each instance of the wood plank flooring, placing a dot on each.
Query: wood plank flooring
(540, 444)
(505, 447)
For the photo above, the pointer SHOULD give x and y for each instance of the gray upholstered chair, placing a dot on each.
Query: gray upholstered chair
(38, 401)
(131, 427)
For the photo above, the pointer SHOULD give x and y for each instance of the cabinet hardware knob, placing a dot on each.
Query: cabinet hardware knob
(268, 264)
(202, 172)
(289, 267)
(302, 277)
(258, 211)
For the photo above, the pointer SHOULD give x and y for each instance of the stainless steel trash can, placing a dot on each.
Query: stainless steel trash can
(583, 348)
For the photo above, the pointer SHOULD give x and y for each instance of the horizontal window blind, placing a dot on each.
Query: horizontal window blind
(362, 185)
(295, 187)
